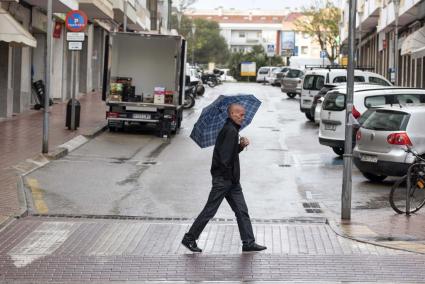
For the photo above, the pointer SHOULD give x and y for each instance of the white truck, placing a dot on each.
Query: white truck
(144, 81)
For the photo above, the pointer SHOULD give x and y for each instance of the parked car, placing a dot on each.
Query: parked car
(291, 83)
(276, 75)
(316, 106)
(332, 116)
(383, 137)
(264, 72)
(315, 79)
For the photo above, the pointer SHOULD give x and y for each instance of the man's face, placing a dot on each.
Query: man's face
(237, 114)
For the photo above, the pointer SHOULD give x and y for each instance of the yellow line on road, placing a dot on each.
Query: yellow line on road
(37, 196)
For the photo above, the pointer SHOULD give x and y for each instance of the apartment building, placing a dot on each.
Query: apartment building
(375, 38)
(244, 29)
(23, 51)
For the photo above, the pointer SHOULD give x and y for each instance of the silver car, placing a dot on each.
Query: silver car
(292, 82)
(383, 138)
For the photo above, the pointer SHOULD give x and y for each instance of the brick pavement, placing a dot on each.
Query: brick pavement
(61, 249)
(22, 139)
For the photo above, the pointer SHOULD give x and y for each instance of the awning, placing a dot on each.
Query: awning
(414, 43)
(58, 6)
(12, 31)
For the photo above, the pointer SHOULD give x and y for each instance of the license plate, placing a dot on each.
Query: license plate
(370, 159)
(141, 116)
(331, 127)
(306, 101)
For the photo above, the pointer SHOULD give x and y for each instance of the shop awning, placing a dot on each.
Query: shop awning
(12, 31)
(58, 6)
(414, 43)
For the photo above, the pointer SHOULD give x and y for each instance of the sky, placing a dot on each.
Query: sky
(252, 4)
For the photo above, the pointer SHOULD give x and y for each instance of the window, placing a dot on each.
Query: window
(378, 81)
(334, 102)
(263, 71)
(410, 99)
(313, 82)
(263, 18)
(294, 74)
(225, 18)
(304, 49)
(242, 34)
(375, 101)
(343, 79)
(386, 120)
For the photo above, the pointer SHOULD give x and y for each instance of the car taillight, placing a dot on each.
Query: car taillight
(355, 113)
(358, 135)
(400, 138)
(112, 114)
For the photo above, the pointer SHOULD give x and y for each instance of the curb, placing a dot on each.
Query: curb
(335, 226)
(32, 164)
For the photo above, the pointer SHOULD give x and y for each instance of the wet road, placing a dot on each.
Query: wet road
(285, 171)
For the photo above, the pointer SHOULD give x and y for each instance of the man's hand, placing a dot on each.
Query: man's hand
(243, 142)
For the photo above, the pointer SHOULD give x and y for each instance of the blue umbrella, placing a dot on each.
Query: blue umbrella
(213, 117)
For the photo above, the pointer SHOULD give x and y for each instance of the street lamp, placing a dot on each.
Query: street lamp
(193, 43)
(359, 61)
(396, 15)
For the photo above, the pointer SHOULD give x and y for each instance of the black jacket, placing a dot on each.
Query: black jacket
(225, 161)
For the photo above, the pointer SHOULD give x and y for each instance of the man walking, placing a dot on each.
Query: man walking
(225, 173)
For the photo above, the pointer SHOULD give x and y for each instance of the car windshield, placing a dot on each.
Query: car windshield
(263, 70)
(293, 73)
(402, 99)
(343, 79)
(313, 82)
(386, 120)
(276, 70)
(334, 102)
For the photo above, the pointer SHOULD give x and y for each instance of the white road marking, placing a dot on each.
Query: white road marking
(43, 241)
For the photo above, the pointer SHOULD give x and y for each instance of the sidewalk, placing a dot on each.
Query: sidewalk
(22, 139)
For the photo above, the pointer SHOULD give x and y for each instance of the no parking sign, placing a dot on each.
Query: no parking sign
(76, 21)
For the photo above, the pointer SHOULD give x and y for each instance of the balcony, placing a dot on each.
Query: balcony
(119, 10)
(97, 9)
(410, 11)
(58, 6)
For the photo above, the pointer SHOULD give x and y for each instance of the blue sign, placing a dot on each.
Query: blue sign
(76, 21)
(287, 40)
(323, 53)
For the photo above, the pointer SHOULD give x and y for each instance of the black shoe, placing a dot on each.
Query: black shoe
(190, 244)
(253, 247)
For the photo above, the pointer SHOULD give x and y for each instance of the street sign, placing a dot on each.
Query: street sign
(75, 45)
(76, 21)
(70, 36)
(248, 69)
(323, 53)
(270, 50)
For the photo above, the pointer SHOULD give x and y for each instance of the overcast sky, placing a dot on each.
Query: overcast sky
(252, 4)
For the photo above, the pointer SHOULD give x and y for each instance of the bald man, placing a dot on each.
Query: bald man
(225, 173)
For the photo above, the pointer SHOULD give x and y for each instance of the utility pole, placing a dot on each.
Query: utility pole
(396, 15)
(348, 155)
(359, 59)
(48, 74)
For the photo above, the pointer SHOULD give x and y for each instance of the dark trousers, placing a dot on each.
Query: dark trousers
(233, 193)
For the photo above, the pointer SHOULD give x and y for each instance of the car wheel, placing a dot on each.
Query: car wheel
(291, 95)
(373, 177)
(309, 116)
(338, 150)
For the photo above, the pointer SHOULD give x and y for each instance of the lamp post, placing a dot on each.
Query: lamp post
(396, 15)
(193, 43)
(359, 61)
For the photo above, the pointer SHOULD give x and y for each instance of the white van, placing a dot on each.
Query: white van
(332, 115)
(315, 79)
(264, 72)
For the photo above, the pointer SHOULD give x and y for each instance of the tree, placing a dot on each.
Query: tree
(208, 44)
(321, 21)
(257, 55)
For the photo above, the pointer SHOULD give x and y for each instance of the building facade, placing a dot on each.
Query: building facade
(244, 29)
(375, 39)
(23, 62)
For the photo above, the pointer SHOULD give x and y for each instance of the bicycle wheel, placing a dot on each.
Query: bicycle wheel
(416, 192)
(398, 196)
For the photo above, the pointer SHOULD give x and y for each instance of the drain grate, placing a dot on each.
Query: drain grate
(284, 166)
(312, 207)
(149, 163)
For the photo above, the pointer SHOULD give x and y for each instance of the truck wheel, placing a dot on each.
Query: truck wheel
(309, 116)
(291, 95)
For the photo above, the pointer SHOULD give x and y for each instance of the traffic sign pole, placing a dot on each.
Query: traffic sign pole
(76, 22)
(45, 148)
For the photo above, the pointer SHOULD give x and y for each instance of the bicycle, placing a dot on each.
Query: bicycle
(403, 201)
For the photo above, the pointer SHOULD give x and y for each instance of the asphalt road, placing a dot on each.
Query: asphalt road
(286, 173)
